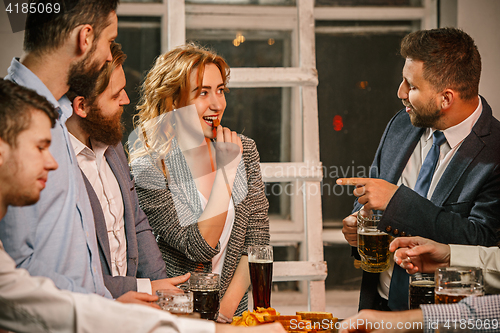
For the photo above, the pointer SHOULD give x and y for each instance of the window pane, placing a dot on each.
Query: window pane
(246, 48)
(245, 2)
(394, 3)
(141, 41)
(258, 113)
(359, 77)
(279, 195)
(140, 1)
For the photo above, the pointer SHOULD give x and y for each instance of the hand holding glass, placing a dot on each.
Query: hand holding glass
(373, 244)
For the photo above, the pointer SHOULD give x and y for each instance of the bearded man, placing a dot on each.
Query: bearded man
(55, 237)
(436, 173)
(130, 258)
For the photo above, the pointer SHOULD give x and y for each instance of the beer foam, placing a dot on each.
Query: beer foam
(259, 261)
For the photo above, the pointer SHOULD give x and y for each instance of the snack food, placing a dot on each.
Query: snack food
(215, 124)
(302, 321)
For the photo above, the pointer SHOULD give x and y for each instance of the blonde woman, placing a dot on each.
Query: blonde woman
(199, 184)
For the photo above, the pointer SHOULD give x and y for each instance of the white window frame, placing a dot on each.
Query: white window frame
(305, 168)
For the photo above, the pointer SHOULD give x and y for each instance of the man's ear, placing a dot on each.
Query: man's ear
(79, 107)
(447, 98)
(85, 38)
(4, 148)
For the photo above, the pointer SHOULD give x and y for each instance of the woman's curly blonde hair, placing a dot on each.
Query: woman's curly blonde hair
(165, 88)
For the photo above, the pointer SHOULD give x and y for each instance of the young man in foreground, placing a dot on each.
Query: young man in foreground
(34, 304)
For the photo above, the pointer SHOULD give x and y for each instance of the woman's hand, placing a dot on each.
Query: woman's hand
(228, 148)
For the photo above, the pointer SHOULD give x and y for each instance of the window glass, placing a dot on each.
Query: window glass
(140, 38)
(246, 48)
(359, 74)
(258, 113)
(245, 2)
(392, 3)
(279, 195)
(140, 1)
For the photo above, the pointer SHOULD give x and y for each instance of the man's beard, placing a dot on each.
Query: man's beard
(83, 75)
(425, 117)
(108, 130)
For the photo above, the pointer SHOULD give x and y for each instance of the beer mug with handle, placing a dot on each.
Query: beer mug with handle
(373, 244)
(260, 261)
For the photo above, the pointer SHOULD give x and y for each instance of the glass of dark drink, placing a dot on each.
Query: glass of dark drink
(455, 283)
(421, 290)
(205, 289)
(373, 244)
(260, 261)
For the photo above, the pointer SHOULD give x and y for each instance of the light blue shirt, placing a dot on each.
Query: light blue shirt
(56, 236)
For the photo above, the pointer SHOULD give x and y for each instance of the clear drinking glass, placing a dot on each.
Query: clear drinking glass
(455, 283)
(373, 244)
(260, 262)
(205, 289)
(175, 301)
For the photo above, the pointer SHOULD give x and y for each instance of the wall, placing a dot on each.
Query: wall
(479, 18)
(12, 44)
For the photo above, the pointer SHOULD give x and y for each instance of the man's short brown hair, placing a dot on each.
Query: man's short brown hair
(16, 105)
(48, 31)
(451, 59)
(102, 81)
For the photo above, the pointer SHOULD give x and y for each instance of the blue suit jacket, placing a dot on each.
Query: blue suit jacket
(465, 206)
(143, 256)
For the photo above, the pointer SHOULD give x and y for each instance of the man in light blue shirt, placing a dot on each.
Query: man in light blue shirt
(56, 236)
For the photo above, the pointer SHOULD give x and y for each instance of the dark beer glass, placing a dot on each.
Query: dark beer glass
(373, 244)
(205, 289)
(260, 261)
(421, 290)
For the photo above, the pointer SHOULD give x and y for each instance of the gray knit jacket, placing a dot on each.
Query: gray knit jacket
(183, 247)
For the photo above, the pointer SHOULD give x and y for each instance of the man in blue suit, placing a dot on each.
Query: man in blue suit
(436, 173)
(130, 258)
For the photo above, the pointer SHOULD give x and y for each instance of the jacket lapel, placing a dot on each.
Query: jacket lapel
(123, 178)
(401, 152)
(470, 148)
(100, 223)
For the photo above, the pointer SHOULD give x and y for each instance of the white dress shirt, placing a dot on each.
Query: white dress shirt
(97, 170)
(34, 304)
(454, 135)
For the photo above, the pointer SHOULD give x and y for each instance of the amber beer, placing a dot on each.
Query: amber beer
(449, 298)
(373, 244)
(261, 275)
(260, 262)
(455, 283)
(373, 247)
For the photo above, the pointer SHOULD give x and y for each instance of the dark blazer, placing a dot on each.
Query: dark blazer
(465, 206)
(143, 256)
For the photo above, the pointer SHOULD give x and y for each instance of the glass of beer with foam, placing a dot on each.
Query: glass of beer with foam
(260, 262)
(373, 244)
(455, 283)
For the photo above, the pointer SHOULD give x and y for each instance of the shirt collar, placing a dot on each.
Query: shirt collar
(80, 148)
(21, 75)
(456, 134)
(96, 153)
